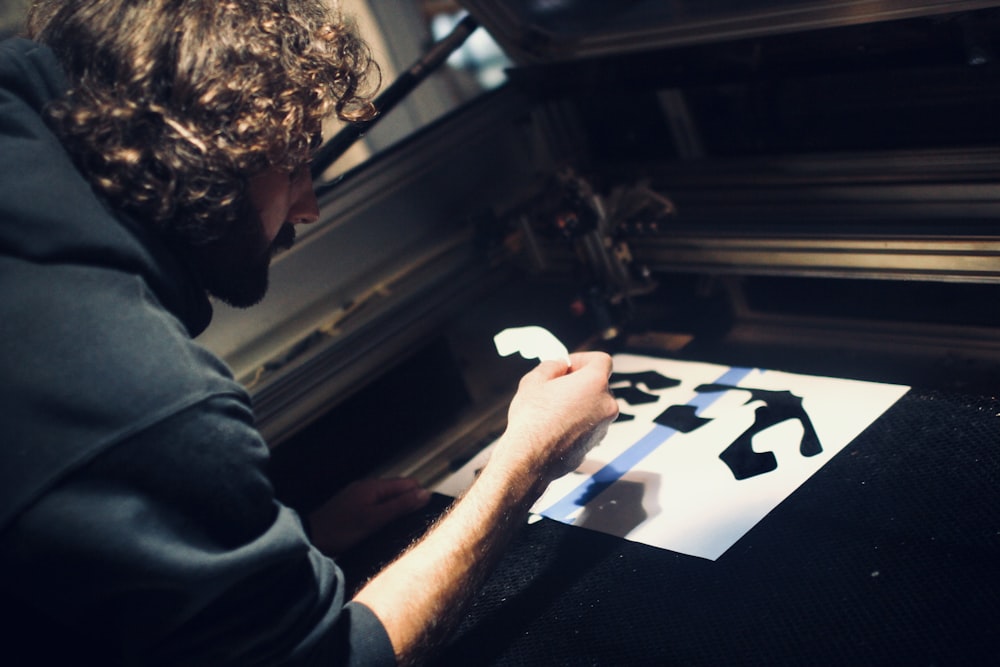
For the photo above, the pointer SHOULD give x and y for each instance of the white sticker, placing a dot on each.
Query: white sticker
(532, 343)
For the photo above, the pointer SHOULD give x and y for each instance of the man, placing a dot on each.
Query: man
(154, 151)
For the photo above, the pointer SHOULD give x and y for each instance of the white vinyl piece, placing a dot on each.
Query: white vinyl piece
(532, 342)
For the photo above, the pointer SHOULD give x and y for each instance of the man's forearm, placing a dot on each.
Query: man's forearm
(557, 415)
(420, 596)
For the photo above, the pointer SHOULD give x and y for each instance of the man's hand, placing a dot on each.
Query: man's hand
(557, 416)
(360, 509)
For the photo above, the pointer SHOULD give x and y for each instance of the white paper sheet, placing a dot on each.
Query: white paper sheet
(666, 485)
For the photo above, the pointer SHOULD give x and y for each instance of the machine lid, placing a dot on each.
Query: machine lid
(538, 31)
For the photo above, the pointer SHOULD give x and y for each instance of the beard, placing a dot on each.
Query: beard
(235, 267)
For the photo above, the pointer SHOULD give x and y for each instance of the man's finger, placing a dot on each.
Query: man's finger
(403, 503)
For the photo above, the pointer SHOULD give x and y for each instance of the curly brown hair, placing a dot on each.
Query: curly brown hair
(174, 104)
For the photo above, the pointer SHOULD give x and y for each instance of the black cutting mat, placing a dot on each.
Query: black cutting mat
(889, 555)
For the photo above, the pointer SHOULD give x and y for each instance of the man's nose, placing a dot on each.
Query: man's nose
(305, 208)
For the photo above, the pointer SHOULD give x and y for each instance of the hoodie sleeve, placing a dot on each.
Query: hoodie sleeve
(170, 549)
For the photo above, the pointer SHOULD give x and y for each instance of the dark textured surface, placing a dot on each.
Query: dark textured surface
(889, 555)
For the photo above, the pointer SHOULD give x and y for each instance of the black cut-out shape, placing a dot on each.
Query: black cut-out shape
(779, 406)
(653, 380)
(622, 417)
(634, 395)
(681, 418)
(631, 393)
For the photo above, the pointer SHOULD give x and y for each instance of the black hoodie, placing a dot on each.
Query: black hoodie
(137, 525)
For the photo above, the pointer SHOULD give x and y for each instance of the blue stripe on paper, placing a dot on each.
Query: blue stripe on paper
(613, 471)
